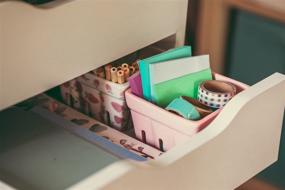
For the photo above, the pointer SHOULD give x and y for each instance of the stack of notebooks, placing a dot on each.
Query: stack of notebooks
(171, 74)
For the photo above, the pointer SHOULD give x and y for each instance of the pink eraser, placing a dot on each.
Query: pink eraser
(136, 84)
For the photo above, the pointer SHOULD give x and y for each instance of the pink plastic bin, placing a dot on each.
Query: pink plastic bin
(156, 126)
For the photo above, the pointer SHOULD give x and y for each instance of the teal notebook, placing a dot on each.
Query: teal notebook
(174, 78)
(176, 53)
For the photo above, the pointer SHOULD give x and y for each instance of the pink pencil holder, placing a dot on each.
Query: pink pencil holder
(99, 98)
(105, 100)
(156, 126)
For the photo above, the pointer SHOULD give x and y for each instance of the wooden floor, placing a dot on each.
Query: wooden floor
(255, 184)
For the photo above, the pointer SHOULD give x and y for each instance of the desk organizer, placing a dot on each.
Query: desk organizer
(162, 129)
(101, 99)
(239, 143)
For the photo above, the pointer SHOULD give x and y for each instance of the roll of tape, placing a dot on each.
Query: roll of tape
(215, 93)
(201, 108)
(183, 108)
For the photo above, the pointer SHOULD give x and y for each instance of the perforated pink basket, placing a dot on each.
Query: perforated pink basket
(156, 126)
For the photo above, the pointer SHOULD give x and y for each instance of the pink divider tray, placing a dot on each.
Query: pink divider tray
(156, 126)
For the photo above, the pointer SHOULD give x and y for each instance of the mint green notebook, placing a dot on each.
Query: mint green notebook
(180, 52)
(178, 77)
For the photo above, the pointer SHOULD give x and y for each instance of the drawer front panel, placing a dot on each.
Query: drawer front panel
(44, 47)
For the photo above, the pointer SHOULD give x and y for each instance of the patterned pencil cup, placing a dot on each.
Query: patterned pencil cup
(105, 101)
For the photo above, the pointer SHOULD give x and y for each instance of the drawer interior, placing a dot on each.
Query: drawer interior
(37, 153)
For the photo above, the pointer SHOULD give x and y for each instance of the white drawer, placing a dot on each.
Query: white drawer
(44, 47)
(242, 141)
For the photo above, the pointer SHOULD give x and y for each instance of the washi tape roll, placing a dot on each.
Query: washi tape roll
(201, 108)
(183, 108)
(215, 93)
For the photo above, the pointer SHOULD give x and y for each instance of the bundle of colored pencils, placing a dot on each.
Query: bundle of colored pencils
(117, 74)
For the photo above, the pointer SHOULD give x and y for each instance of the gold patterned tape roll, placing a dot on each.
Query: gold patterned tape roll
(215, 93)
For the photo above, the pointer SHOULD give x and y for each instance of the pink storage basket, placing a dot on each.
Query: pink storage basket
(156, 126)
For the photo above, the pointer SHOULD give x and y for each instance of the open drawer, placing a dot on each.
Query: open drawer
(57, 43)
(239, 143)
